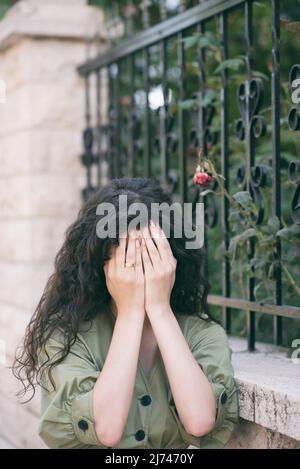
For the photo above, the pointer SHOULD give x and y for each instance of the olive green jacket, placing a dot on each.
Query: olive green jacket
(67, 413)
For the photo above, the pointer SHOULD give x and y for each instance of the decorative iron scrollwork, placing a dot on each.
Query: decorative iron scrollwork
(294, 177)
(207, 137)
(210, 136)
(294, 113)
(250, 97)
(210, 206)
(138, 143)
(133, 141)
(258, 179)
(88, 159)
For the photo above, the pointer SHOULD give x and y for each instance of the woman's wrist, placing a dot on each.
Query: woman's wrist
(159, 310)
(131, 314)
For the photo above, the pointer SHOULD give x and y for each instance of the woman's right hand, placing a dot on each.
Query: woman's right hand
(125, 283)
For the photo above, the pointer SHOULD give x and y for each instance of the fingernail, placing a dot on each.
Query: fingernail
(137, 243)
(143, 242)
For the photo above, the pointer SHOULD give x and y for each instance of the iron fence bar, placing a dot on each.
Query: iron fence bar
(181, 6)
(98, 124)
(250, 162)
(145, 13)
(147, 123)
(88, 126)
(276, 183)
(131, 166)
(165, 29)
(259, 307)
(129, 19)
(201, 124)
(163, 116)
(117, 159)
(201, 85)
(162, 10)
(181, 121)
(111, 136)
(223, 26)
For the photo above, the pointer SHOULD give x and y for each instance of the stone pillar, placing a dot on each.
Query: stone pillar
(41, 44)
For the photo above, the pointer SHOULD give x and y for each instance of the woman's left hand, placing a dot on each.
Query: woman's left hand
(159, 269)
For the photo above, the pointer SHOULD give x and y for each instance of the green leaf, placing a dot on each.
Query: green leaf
(232, 64)
(239, 239)
(234, 215)
(190, 41)
(207, 41)
(257, 263)
(257, 74)
(209, 98)
(289, 233)
(187, 104)
(244, 199)
(200, 40)
(250, 233)
(274, 224)
(266, 241)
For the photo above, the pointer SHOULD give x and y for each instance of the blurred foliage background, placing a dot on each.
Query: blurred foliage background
(130, 14)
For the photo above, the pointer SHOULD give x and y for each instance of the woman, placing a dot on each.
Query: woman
(120, 342)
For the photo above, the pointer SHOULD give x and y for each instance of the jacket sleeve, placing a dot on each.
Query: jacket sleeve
(67, 419)
(209, 345)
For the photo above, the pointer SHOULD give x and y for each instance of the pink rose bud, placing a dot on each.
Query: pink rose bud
(203, 179)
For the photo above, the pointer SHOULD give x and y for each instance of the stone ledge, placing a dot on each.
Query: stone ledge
(65, 20)
(5, 445)
(269, 387)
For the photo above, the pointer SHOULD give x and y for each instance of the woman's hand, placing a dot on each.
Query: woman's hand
(117, 378)
(159, 269)
(125, 278)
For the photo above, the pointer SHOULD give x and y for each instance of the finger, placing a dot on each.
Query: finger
(161, 242)
(121, 250)
(130, 253)
(138, 257)
(147, 264)
(151, 247)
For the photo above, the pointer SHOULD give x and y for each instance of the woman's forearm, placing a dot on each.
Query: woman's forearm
(113, 390)
(192, 392)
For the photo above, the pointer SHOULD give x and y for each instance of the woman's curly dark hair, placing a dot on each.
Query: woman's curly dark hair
(77, 291)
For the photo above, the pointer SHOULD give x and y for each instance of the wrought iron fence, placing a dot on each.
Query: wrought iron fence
(152, 101)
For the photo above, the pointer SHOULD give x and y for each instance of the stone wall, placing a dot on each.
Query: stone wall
(253, 436)
(41, 44)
